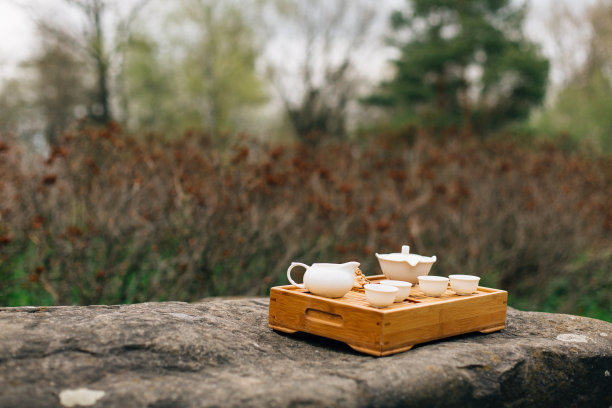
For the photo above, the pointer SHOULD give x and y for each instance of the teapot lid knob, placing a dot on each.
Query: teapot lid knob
(405, 249)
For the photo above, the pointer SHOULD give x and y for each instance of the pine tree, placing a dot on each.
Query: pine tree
(465, 63)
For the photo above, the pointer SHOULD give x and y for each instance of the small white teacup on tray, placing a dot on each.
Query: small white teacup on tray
(433, 286)
(403, 288)
(464, 284)
(380, 295)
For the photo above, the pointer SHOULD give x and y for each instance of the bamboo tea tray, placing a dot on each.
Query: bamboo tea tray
(397, 328)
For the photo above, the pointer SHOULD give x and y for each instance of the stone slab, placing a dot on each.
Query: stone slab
(221, 353)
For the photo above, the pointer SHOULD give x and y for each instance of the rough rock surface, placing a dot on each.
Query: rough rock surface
(222, 353)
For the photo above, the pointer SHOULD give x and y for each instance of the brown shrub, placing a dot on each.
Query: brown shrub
(109, 219)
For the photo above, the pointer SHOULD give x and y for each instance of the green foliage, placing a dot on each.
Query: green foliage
(15, 106)
(217, 75)
(585, 289)
(464, 64)
(200, 75)
(148, 87)
(581, 113)
(578, 114)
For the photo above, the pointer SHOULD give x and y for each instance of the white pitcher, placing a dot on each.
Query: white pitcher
(326, 279)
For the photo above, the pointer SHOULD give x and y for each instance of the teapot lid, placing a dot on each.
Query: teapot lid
(406, 256)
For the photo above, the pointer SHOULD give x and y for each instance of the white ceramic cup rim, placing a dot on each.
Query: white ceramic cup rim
(375, 287)
(433, 278)
(397, 283)
(465, 277)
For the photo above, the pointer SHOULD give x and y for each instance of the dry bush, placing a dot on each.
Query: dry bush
(111, 219)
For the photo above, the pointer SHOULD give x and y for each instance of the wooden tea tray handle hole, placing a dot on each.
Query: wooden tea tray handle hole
(320, 316)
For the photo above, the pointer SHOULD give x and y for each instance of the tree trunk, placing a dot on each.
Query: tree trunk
(104, 115)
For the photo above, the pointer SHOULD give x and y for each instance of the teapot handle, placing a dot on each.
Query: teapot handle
(293, 265)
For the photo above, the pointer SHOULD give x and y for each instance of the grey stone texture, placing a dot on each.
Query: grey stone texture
(221, 353)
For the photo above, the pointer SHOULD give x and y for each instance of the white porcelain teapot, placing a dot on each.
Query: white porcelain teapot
(326, 279)
(405, 266)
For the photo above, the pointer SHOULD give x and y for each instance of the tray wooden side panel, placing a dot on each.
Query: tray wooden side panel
(292, 311)
(427, 322)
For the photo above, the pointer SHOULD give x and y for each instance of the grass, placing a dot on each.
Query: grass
(560, 297)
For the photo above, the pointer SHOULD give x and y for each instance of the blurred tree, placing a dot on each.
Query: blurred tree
(148, 87)
(316, 77)
(570, 34)
(599, 58)
(581, 107)
(215, 74)
(50, 92)
(59, 85)
(95, 42)
(463, 64)
(15, 106)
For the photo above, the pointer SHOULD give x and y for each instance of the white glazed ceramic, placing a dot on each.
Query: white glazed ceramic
(433, 286)
(403, 288)
(380, 295)
(405, 266)
(464, 284)
(326, 279)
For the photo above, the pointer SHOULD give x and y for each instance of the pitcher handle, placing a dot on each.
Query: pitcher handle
(293, 265)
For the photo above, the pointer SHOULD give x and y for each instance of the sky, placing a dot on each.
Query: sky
(17, 37)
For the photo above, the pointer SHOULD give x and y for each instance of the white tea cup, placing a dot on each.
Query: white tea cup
(433, 286)
(380, 295)
(403, 288)
(464, 284)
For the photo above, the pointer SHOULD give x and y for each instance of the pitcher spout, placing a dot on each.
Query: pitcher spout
(354, 265)
(349, 269)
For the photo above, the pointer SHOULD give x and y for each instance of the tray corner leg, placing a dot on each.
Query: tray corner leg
(397, 350)
(378, 352)
(365, 350)
(492, 329)
(282, 329)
